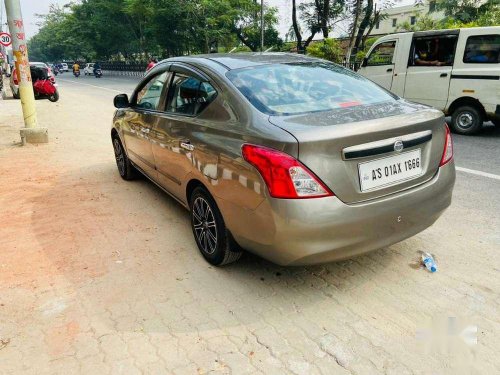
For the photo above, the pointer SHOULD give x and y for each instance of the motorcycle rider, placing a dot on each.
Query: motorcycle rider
(97, 66)
(76, 68)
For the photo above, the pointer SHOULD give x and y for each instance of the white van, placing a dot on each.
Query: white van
(457, 71)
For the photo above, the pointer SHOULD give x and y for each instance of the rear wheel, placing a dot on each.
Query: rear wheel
(211, 235)
(466, 120)
(54, 97)
(125, 168)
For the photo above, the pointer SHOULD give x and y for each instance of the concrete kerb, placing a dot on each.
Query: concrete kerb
(34, 135)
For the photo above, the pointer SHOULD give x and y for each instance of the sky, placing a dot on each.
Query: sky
(30, 8)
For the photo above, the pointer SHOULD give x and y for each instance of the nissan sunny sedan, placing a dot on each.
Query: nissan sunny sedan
(295, 159)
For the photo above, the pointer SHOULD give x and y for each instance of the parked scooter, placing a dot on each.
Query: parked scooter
(43, 87)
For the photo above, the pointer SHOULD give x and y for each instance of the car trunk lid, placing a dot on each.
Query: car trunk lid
(356, 151)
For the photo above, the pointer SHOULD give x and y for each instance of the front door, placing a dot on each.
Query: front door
(141, 119)
(379, 66)
(429, 69)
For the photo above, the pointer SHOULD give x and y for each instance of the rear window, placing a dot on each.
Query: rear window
(288, 89)
(482, 49)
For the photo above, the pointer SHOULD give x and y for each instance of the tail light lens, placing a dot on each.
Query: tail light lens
(448, 147)
(284, 175)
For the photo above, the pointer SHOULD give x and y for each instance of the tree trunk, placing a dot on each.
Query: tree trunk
(376, 18)
(325, 13)
(357, 11)
(296, 26)
(364, 24)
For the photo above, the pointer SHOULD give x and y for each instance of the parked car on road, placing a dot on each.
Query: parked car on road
(293, 158)
(89, 69)
(64, 67)
(456, 71)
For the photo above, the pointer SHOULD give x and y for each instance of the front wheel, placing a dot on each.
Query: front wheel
(210, 233)
(466, 120)
(54, 97)
(125, 168)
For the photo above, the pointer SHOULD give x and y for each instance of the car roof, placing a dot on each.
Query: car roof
(248, 59)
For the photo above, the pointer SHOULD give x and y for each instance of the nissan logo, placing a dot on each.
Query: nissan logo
(398, 146)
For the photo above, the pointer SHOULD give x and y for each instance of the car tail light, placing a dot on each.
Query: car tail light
(448, 147)
(284, 175)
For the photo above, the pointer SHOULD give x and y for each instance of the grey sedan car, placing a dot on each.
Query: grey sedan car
(292, 158)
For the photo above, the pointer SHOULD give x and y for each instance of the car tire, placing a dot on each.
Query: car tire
(466, 120)
(54, 97)
(214, 241)
(125, 168)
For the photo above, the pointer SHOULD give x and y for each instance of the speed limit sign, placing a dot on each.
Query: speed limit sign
(5, 39)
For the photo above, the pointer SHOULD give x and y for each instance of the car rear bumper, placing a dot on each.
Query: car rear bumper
(311, 231)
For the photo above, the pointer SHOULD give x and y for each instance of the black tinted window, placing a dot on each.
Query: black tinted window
(305, 87)
(482, 49)
(189, 96)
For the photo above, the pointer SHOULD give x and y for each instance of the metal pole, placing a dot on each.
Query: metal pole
(31, 133)
(261, 25)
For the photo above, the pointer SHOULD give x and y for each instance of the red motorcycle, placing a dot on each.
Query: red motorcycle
(43, 86)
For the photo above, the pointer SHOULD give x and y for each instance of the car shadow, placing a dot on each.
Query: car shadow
(127, 250)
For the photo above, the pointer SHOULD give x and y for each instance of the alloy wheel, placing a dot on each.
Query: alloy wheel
(204, 225)
(119, 156)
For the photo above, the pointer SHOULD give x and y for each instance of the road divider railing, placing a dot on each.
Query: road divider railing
(125, 69)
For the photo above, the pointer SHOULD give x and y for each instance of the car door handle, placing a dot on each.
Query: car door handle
(389, 70)
(443, 75)
(187, 145)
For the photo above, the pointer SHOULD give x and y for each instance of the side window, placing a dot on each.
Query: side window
(189, 96)
(482, 49)
(433, 50)
(149, 96)
(382, 54)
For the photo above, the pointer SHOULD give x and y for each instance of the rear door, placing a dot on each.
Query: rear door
(429, 68)
(141, 119)
(379, 65)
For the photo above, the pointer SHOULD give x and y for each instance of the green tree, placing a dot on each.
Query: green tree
(328, 49)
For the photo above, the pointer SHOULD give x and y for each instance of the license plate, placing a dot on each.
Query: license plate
(391, 170)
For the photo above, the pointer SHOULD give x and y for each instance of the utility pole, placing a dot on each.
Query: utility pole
(261, 26)
(31, 133)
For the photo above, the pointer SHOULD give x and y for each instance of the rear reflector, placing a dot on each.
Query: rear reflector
(448, 147)
(284, 175)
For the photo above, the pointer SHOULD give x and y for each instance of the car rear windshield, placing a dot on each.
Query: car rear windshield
(294, 88)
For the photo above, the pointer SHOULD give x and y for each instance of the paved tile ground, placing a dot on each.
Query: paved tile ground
(99, 275)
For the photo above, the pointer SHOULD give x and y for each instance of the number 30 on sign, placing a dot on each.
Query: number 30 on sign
(5, 39)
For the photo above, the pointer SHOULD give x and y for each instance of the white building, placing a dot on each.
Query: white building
(409, 13)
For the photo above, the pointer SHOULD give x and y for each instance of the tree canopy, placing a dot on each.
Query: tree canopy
(137, 29)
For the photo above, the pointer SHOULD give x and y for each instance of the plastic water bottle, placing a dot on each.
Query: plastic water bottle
(429, 262)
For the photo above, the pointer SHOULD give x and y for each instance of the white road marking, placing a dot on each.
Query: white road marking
(88, 84)
(478, 173)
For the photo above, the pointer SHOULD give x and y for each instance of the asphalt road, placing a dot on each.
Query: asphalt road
(102, 276)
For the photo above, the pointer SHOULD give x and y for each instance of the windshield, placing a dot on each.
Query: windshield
(286, 89)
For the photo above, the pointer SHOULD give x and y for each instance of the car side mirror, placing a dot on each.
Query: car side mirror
(365, 62)
(121, 101)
